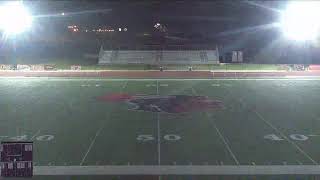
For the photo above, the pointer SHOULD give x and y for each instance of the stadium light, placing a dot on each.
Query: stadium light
(300, 20)
(14, 18)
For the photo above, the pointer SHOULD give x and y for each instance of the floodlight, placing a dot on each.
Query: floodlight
(14, 18)
(300, 20)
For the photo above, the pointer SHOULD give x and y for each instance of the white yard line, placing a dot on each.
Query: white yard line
(223, 139)
(157, 87)
(212, 121)
(98, 132)
(159, 140)
(91, 145)
(177, 170)
(193, 91)
(159, 135)
(36, 134)
(124, 86)
(286, 138)
(278, 130)
(158, 129)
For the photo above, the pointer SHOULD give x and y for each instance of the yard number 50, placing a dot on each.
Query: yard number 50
(149, 137)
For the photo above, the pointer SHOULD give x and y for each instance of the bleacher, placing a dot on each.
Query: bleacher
(178, 57)
(158, 57)
(134, 57)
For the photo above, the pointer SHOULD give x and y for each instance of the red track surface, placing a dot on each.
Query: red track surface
(155, 74)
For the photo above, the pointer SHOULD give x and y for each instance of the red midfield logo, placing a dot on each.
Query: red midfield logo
(168, 104)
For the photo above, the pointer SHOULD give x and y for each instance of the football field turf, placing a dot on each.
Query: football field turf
(264, 122)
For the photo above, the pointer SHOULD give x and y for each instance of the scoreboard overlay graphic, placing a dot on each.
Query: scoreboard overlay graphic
(16, 159)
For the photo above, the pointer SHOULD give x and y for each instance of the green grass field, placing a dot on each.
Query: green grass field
(265, 122)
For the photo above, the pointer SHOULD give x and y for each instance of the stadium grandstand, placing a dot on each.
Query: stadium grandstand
(156, 57)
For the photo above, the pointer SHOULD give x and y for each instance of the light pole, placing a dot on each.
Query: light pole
(14, 19)
(299, 23)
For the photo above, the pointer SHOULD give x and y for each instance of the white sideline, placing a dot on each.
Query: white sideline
(286, 78)
(178, 170)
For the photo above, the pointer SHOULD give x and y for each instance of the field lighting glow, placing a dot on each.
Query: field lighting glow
(14, 18)
(300, 20)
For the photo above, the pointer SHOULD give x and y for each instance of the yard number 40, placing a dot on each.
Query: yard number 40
(296, 137)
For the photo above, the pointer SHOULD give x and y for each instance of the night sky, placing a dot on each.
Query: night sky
(232, 25)
(206, 17)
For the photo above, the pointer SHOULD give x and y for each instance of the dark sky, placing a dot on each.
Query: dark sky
(234, 24)
(215, 21)
(204, 16)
